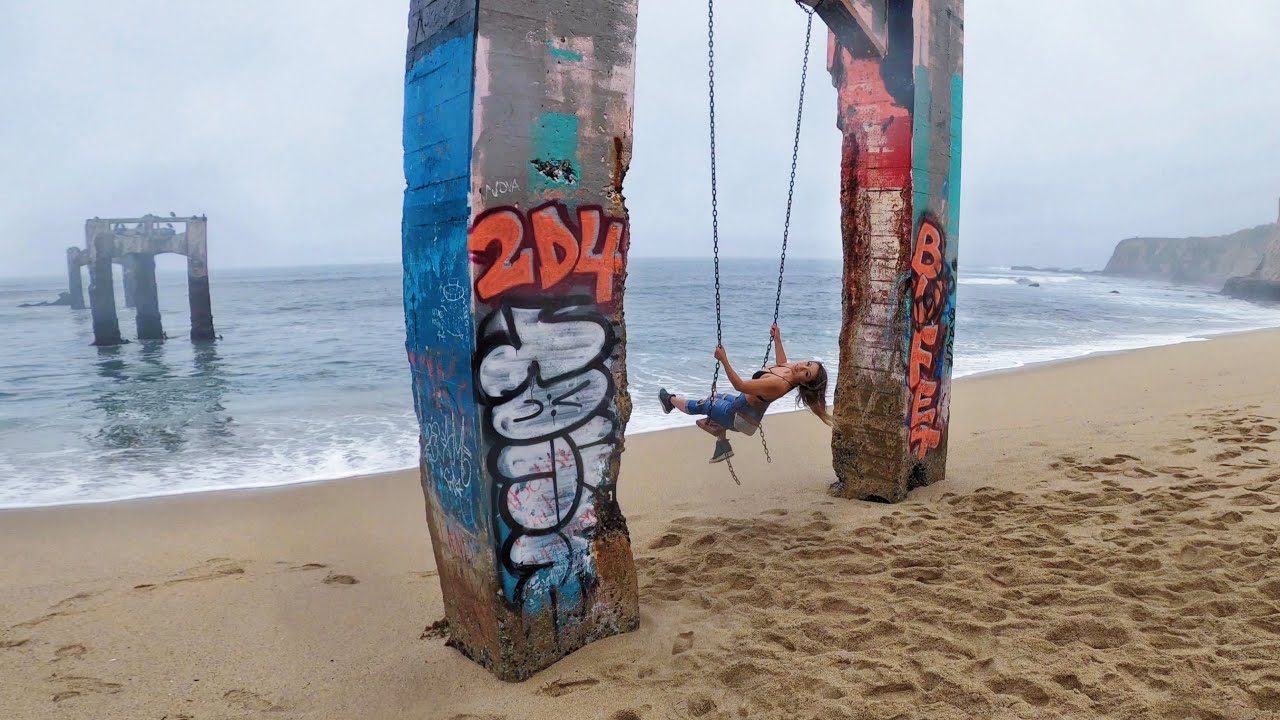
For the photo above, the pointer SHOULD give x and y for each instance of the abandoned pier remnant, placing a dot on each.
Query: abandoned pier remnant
(133, 243)
(897, 66)
(517, 136)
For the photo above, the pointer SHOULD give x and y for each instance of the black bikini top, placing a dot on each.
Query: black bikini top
(761, 373)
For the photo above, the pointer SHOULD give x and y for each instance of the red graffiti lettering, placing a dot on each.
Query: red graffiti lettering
(506, 228)
(927, 259)
(436, 379)
(557, 246)
(545, 248)
(929, 292)
(921, 358)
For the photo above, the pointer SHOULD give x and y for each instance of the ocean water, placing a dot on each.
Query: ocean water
(310, 380)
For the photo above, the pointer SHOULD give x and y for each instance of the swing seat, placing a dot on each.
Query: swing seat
(740, 425)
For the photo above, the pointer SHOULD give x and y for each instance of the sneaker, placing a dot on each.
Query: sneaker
(664, 397)
(723, 451)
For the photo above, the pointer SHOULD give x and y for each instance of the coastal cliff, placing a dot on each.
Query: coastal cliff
(1264, 282)
(1195, 260)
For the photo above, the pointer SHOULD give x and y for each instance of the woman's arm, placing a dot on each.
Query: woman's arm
(759, 388)
(723, 357)
(778, 352)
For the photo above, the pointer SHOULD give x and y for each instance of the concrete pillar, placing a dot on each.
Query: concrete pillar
(517, 135)
(75, 283)
(198, 281)
(148, 315)
(128, 280)
(102, 293)
(898, 69)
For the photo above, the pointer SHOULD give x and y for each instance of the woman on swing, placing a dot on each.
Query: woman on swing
(742, 413)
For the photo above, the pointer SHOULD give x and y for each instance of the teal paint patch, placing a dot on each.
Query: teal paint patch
(561, 54)
(921, 142)
(953, 173)
(553, 152)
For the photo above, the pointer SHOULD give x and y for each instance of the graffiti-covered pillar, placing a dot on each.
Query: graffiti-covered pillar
(517, 135)
(897, 65)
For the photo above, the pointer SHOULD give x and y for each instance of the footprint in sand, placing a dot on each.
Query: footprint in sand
(74, 599)
(249, 701)
(69, 652)
(700, 704)
(211, 569)
(332, 579)
(666, 541)
(683, 642)
(1028, 691)
(70, 686)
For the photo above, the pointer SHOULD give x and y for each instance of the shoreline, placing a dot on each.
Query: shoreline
(999, 372)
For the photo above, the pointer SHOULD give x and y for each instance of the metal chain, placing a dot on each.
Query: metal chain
(791, 189)
(791, 193)
(715, 211)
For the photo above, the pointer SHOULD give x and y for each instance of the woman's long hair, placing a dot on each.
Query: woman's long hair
(813, 395)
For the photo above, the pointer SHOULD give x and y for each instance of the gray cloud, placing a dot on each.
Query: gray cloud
(1084, 123)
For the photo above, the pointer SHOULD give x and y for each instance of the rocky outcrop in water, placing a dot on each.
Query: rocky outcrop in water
(1264, 282)
(1192, 260)
(64, 299)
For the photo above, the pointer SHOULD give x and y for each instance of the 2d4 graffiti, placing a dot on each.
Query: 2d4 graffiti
(545, 246)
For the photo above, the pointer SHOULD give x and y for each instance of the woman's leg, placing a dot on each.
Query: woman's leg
(718, 408)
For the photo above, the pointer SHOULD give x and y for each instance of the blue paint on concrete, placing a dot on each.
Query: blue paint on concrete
(553, 144)
(437, 273)
(953, 174)
(921, 144)
(561, 54)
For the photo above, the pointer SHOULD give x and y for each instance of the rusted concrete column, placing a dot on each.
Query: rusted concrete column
(128, 280)
(198, 280)
(148, 297)
(102, 293)
(75, 283)
(898, 69)
(517, 135)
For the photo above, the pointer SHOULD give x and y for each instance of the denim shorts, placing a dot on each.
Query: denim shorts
(724, 408)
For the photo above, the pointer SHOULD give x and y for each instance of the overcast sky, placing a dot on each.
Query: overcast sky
(1085, 122)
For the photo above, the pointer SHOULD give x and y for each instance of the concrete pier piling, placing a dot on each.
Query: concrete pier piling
(147, 298)
(133, 243)
(897, 66)
(517, 135)
(100, 244)
(197, 253)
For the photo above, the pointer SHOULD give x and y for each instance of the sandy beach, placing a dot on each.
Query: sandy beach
(1106, 545)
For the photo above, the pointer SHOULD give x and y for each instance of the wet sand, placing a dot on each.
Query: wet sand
(1106, 545)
